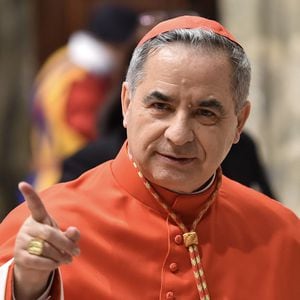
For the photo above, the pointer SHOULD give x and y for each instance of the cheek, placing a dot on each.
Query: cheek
(225, 144)
(145, 127)
(216, 142)
(139, 131)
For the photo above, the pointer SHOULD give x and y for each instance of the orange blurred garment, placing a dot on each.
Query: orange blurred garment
(66, 104)
(131, 249)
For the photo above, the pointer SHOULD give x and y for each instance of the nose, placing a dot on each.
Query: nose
(179, 130)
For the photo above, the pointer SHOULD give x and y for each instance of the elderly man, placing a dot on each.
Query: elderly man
(160, 221)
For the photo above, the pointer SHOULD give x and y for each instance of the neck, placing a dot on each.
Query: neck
(206, 185)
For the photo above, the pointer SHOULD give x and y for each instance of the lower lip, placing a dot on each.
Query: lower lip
(181, 162)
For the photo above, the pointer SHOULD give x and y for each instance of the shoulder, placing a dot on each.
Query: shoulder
(80, 193)
(65, 202)
(254, 205)
(251, 218)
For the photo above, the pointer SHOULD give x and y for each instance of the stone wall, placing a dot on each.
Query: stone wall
(16, 73)
(270, 33)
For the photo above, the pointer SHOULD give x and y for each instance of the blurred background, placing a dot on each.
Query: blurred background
(269, 30)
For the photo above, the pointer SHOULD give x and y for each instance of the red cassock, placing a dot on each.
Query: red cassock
(131, 249)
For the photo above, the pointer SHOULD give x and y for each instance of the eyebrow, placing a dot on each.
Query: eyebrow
(212, 103)
(157, 95)
(209, 103)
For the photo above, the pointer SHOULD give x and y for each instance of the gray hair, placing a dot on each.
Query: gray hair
(205, 39)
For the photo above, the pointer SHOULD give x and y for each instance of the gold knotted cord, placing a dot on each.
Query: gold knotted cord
(189, 236)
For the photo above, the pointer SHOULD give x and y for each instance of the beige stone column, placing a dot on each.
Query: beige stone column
(270, 32)
(284, 70)
(16, 73)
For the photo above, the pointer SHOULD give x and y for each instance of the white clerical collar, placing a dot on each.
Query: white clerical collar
(206, 187)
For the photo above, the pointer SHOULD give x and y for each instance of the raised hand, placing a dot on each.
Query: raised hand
(40, 248)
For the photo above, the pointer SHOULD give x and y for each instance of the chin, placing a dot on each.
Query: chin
(171, 182)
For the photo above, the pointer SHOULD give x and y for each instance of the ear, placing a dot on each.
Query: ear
(242, 117)
(125, 101)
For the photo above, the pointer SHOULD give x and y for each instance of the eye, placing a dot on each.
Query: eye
(161, 106)
(206, 116)
(206, 113)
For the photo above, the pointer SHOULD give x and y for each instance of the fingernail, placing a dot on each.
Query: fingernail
(76, 252)
(69, 260)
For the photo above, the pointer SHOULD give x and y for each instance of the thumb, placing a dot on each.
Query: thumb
(34, 203)
(73, 234)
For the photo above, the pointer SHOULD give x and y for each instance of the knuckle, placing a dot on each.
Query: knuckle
(26, 261)
(47, 249)
(46, 233)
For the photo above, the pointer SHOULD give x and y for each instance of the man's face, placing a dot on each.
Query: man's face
(181, 121)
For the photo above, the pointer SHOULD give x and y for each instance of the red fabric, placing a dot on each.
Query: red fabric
(9, 286)
(85, 99)
(248, 243)
(55, 290)
(187, 22)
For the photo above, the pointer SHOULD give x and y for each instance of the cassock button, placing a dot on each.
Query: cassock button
(170, 295)
(178, 239)
(173, 267)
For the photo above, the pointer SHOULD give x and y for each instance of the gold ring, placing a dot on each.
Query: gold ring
(35, 246)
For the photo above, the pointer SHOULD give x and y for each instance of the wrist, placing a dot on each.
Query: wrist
(29, 284)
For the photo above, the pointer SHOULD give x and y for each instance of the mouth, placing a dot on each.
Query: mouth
(178, 159)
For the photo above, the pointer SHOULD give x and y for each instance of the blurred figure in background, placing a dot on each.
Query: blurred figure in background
(73, 85)
(244, 164)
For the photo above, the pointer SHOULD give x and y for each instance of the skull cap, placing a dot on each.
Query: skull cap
(187, 22)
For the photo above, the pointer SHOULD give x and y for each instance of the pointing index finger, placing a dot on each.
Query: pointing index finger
(34, 203)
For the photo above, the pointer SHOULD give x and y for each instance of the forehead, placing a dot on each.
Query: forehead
(185, 59)
(177, 65)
